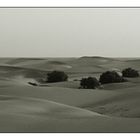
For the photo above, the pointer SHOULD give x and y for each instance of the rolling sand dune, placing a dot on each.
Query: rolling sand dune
(41, 108)
(62, 106)
(39, 63)
(35, 115)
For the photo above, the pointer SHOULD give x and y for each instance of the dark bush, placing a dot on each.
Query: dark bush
(56, 76)
(110, 77)
(89, 83)
(129, 72)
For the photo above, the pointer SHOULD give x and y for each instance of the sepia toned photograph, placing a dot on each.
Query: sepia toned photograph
(69, 69)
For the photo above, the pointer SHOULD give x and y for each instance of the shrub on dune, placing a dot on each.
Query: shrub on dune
(89, 83)
(129, 72)
(56, 76)
(110, 77)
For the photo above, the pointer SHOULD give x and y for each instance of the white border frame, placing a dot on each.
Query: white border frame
(69, 2)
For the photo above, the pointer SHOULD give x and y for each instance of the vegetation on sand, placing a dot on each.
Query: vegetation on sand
(110, 77)
(129, 72)
(56, 76)
(89, 83)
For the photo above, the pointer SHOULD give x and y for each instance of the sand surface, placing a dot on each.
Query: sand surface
(62, 106)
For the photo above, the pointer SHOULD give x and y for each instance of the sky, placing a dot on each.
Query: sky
(69, 32)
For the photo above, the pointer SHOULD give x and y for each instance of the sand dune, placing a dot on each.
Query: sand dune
(42, 108)
(35, 115)
(101, 101)
(63, 107)
(39, 63)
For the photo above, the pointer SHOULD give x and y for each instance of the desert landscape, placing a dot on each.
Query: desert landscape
(30, 104)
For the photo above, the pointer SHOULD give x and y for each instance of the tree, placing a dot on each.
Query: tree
(129, 72)
(110, 77)
(89, 83)
(56, 76)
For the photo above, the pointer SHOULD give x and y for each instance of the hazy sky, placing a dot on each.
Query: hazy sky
(69, 32)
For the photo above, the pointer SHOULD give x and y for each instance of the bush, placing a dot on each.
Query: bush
(129, 72)
(111, 77)
(56, 76)
(89, 83)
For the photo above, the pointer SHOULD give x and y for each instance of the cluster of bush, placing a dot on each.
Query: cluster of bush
(92, 82)
(89, 83)
(129, 72)
(56, 76)
(108, 77)
(111, 77)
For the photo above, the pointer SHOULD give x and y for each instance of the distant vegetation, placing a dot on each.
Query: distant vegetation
(92, 82)
(56, 76)
(89, 83)
(129, 72)
(110, 77)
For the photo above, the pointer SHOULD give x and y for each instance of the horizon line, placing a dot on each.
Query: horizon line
(69, 56)
(69, 6)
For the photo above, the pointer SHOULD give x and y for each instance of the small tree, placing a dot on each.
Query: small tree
(110, 77)
(56, 76)
(129, 72)
(89, 83)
